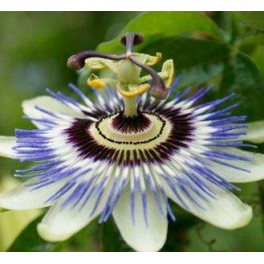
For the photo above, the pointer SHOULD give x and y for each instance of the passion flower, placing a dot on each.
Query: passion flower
(128, 151)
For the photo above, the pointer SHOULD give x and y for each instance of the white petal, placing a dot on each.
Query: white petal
(23, 198)
(60, 223)
(137, 235)
(255, 132)
(256, 167)
(225, 211)
(63, 221)
(49, 103)
(6, 147)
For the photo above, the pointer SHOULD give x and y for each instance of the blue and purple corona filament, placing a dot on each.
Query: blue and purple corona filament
(188, 141)
(102, 157)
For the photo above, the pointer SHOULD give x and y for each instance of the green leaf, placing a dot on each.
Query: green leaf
(206, 237)
(252, 19)
(197, 62)
(29, 240)
(231, 27)
(249, 44)
(242, 76)
(257, 57)
(189, 52)
(156, 26)
(203, 75)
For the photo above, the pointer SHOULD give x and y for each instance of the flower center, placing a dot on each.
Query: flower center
(129, 125)
(119, 131)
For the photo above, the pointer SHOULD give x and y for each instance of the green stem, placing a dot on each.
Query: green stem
(130, 106)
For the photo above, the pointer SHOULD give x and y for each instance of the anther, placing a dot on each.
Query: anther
(158, 88)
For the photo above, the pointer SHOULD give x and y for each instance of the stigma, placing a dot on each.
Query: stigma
(126, 73)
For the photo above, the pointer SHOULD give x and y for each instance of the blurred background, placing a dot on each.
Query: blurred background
(34, 48)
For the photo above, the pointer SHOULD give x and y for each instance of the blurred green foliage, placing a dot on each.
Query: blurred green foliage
(225, 49)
